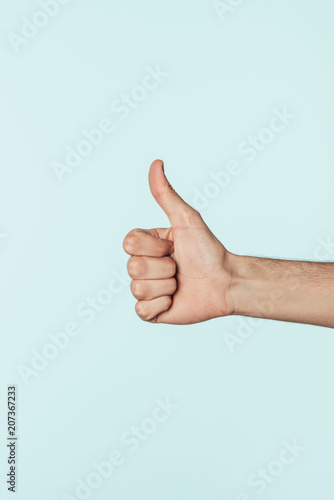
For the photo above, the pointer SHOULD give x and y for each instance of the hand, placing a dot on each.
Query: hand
(182, 274)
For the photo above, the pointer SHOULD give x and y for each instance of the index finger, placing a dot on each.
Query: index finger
(146, 242)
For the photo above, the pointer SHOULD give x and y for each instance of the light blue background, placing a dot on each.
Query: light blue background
(64, 240)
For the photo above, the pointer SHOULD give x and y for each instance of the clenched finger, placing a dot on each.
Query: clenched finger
(151, 268)
(151, 289)
(148, 310)
(146, 242)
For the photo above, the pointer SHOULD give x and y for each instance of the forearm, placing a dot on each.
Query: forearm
(284, 290)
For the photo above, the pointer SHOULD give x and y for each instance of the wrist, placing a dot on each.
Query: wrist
(231, 265)
(259, 286)
(231, 283)
(244, 283)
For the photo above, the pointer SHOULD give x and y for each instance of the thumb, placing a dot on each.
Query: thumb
(176, 209)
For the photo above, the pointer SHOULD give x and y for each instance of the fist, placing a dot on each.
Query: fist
(181, 274)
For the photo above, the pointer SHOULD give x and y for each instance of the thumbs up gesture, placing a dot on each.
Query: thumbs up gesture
(181, 274)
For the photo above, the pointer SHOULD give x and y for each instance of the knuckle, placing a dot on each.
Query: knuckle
(190, 215)
(135, 267)
(142, 311)
(130, 243)
(138, 289)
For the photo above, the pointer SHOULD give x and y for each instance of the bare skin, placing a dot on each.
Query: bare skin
(184, 275)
